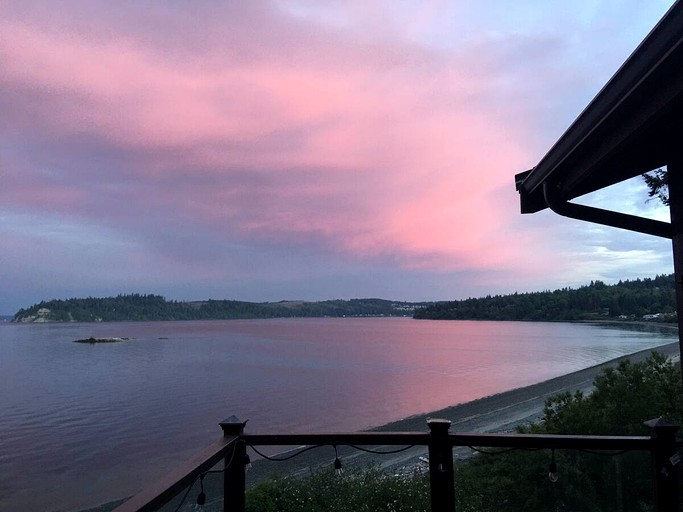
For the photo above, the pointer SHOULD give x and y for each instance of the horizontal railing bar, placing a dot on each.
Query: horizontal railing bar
(167, 488)
(532, 441)
(354, 438)
(164, 490)
(553, 441)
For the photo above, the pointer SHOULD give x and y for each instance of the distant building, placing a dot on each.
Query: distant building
(652, 317)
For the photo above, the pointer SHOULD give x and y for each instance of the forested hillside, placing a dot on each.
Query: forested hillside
(626, 300)
(136, 307)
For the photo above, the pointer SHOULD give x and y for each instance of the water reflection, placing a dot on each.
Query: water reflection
(93, 422)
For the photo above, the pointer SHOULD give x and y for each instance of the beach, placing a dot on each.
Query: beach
(501, 412)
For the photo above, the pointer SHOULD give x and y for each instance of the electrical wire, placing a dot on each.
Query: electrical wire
(202, 475)
(182, 502)
(280, 459)
(582, 450)
(604, 454)
(377, 452)
(499, 452)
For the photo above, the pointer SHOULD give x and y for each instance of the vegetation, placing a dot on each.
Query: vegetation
(626, 300)
(367, 490)
(658, 185)
(136, 307)
(623, 398)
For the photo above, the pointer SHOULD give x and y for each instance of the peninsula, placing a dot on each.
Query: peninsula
(137, 307)
(650, 299)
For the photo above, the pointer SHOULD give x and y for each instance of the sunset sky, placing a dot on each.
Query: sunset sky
(302, 150)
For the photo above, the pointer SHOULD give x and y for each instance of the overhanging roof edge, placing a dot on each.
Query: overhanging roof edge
(653, 51)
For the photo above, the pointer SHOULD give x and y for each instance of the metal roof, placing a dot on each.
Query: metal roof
(632, 126)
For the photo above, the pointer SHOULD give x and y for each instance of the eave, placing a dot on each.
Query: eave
(632, 126)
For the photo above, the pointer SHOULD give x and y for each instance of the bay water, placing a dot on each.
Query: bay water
(84, 424)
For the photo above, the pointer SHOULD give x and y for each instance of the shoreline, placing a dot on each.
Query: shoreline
(501, 412)
(517, 405)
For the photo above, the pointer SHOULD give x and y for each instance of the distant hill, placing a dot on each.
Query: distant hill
(649, 299)
(653, 299)
(136, 307)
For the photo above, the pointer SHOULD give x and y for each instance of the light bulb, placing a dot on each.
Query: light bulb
(552, 472)
(338, 470)
(201, 498)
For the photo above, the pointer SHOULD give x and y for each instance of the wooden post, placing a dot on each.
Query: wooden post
(441, 476)
(234, 482)
(664, 464)
(675, 177)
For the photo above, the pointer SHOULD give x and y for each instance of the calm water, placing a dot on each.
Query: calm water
(84, 424)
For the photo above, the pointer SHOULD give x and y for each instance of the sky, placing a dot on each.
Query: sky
(310, 150)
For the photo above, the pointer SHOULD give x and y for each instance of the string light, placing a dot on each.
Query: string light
(282, 459)
(201, 497)
(552, 468)
(338, 469)
(379, 452)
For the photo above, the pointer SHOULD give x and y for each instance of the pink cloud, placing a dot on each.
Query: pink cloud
(374, 148)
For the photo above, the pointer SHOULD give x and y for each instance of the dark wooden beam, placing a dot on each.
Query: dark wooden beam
(675, 175)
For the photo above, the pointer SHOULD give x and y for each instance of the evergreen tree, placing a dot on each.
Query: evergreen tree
(658, 185)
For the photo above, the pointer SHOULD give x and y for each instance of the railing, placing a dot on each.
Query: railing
(661, 443)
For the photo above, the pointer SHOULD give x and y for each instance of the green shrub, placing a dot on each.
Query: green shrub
(357, 490)
(623, 398)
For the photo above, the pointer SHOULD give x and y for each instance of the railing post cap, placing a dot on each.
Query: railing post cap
(233, 426)
(438, 426)
(661, 427)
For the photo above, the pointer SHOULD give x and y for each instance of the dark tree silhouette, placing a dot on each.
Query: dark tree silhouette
(658, 184)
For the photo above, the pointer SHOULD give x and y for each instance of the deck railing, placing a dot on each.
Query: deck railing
(231, 448)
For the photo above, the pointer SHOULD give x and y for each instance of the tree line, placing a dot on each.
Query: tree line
(141, 307)
(626, 300)
(630, 299)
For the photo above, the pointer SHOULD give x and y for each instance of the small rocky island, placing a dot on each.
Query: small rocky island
(93, 340)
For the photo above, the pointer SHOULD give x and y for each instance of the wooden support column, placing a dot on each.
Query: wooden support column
(234, 482)
(441, 475)
(675, 176)
(665, 460)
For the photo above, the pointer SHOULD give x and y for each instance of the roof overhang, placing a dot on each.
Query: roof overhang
(633, 125)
